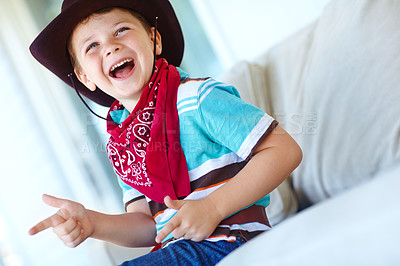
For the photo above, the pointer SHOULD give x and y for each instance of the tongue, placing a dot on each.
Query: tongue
(123, 72)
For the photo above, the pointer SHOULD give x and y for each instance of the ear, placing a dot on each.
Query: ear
(158, 39)
(82, 77)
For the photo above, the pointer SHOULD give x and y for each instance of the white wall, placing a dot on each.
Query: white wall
(244, 29)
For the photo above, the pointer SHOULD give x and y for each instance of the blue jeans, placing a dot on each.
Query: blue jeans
(187, 252)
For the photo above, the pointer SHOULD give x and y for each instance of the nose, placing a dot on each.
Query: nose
(112, 48)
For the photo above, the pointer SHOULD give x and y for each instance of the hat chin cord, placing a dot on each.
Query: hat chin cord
(155, 46)
(70, 75)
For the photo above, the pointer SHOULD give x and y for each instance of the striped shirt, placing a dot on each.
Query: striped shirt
(218, 133)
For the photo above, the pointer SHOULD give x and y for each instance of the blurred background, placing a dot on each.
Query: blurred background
(51, 144)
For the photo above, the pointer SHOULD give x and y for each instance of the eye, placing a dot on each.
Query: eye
(121, 30)
(91, 46)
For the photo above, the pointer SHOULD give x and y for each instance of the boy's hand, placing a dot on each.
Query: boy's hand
(71, 223)
(195, 219)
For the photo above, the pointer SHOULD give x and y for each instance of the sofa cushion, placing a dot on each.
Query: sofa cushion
(249, 79)
(339, 231)
(335, 86)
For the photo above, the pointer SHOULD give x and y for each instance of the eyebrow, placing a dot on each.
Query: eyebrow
(91, 36)
(86, 40)
(120, 22)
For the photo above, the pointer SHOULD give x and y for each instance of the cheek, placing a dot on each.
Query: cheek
(92, 67)
(148, 46)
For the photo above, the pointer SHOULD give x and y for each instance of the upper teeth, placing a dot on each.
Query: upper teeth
(120, 64)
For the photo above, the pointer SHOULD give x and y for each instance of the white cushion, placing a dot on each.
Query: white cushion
(359, 227)
(335, 86)
(250, 80)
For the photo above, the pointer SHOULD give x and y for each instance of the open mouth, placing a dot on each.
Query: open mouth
(122, 69)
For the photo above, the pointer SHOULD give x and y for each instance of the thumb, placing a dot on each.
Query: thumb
(53, 201)
(173, 204)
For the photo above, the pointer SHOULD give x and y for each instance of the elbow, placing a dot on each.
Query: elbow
(298, 155)
(295, 154)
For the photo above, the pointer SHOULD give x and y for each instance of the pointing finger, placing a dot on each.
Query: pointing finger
(51, 221)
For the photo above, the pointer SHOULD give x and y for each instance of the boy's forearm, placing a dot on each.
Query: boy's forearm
(268, 168)
(132, 229)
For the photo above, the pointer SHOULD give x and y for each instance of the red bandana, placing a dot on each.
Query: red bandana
(145, 149)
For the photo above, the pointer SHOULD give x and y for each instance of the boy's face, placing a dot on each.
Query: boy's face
(115, 52)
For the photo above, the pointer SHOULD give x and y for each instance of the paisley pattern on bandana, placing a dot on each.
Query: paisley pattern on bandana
(124, 159)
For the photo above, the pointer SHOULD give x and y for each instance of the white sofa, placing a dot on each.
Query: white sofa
(335, 86)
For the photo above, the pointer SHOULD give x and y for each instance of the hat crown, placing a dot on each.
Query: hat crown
(67, 3)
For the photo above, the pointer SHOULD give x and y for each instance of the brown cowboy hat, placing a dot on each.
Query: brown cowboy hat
(50, 47)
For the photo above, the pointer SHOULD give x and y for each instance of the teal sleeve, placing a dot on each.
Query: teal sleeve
(230, 121)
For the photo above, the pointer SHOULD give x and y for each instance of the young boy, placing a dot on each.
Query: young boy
(196, 164)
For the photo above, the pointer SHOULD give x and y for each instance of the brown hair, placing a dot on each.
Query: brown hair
(72, 58)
